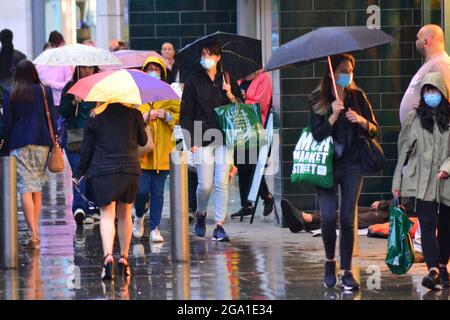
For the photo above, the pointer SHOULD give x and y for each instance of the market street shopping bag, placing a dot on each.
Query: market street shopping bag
(400, 250)
(242, 125)
(313, 161)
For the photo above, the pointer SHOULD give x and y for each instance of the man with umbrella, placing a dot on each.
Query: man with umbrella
(204, 91)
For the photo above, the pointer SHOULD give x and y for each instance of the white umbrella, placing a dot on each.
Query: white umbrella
(76, 55)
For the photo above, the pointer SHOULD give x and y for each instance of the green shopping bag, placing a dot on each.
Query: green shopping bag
(313, 161)
(400, 250)
(242, 125)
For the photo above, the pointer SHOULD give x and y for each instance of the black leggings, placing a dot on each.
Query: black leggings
(349, 177)
(436, 250)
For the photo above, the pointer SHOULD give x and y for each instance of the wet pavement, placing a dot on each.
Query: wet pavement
(262, 262)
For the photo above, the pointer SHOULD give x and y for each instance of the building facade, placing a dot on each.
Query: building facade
(384, 72)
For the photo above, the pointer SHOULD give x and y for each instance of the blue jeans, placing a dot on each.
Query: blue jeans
(349, 176)
(213, 168)
(77, 201)
(151, 186)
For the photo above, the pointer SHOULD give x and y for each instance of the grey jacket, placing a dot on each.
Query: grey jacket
(428, 153)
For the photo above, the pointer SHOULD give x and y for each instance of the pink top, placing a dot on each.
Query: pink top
(260, 91)
(56, 78)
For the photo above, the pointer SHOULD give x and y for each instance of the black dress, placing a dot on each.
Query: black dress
(109, 154)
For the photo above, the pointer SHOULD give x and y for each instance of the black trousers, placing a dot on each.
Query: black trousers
(436, 249)
(192, 190)
(349, 176)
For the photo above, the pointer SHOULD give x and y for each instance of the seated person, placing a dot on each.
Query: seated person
(298, 220)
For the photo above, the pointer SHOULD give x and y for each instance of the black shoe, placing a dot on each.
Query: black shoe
(268, 205)
(294, 219)
(124, 267)
(445, 282)
(108, 271)
(330, 279)
(432, 281)
(244, 212)
(348, 282)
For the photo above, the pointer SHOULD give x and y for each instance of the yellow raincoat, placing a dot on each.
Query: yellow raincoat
(158, 159)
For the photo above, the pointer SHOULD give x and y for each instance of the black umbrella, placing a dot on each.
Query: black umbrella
(240, 55)
(325, 42)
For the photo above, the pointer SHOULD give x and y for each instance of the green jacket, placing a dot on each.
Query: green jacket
(68, 108)
(428, 154)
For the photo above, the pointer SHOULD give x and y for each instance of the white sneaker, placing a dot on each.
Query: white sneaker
(155, 236)
(138, 227)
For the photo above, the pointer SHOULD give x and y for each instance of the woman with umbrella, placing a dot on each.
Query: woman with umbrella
(109, 159)
(161, 116)
(341, 110)
(75, 114)
(203, 92)
(109, 156)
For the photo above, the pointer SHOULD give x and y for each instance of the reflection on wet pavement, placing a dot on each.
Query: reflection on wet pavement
(253, 266)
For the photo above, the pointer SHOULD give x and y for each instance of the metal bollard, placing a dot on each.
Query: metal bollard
(181, 281)
(9, 257)
(179, 206)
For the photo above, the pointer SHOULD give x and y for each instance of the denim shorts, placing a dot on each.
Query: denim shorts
(31, 162)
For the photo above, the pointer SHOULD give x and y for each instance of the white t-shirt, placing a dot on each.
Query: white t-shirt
(411, 99)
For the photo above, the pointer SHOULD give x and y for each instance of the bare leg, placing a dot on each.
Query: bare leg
(28, 211)
(124, 227)
(107, 227)
(37, 200)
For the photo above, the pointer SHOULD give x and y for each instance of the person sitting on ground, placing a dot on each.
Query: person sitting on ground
(298, 220)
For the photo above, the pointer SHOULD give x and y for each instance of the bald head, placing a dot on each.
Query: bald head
(430, 40)
(434, 32)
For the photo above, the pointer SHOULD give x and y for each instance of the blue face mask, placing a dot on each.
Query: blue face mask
(155, 75)
(207, 63)
(344, 79)
(432, 99)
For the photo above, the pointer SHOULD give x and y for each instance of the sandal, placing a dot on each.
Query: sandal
(107, 272)
(124, 268)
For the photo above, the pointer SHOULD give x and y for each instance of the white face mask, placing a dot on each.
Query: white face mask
(155, 75)
(207, 63)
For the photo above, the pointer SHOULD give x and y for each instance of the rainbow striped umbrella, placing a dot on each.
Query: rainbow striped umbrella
(124, 86)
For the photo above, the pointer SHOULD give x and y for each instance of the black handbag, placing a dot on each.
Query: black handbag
(370, 150)
(371, 153)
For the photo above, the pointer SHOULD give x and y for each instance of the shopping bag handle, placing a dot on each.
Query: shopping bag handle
(396, 201)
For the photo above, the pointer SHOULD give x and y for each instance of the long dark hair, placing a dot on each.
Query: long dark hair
(323, 91)
(427, 114)
(24, 79)
(6, 54)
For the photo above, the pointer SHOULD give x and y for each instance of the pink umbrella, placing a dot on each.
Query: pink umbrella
(132, 59)
(124, 86)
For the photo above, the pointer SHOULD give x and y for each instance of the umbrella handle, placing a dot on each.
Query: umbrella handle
(332, 77)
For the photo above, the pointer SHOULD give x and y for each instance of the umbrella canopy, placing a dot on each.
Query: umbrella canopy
(324, 42)
(240, 55)
(123, 86)
(132, 59)
(76, 55)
